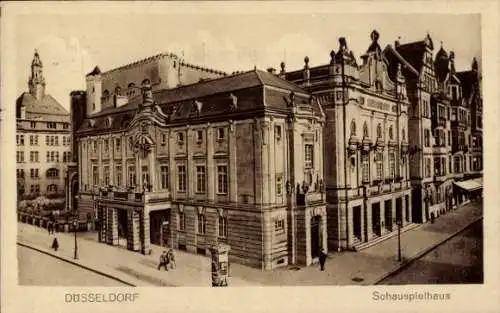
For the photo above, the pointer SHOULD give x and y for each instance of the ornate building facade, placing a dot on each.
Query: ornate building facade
(367, 171)
(43, 137)
(236, 160)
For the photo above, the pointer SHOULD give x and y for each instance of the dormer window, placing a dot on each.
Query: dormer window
(221, 134)
(180, 138)
(277, 132)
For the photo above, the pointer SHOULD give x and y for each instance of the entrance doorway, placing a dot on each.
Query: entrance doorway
(376, 219)
(315, 236)
(388, 214)
(356, 221)
(160, 227)
(122, 227)
(399, 210)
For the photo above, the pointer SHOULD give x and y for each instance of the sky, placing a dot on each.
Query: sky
(70, 45)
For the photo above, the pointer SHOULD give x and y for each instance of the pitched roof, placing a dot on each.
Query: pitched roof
(413, 53)
(214, 98)
(468, 80)
(396, 56)
(47, 105)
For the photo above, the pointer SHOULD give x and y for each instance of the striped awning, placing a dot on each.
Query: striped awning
(471, 184)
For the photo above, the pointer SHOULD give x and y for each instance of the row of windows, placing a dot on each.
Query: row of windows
(51, 125)
(34, 173)
(201, 181)
(201, 222)
(50, 140)
(379, 166)
(35, 188)
(379, 131)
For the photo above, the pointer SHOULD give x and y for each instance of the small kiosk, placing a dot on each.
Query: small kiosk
(220, 264)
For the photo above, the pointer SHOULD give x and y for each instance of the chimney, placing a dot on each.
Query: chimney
(272, 70)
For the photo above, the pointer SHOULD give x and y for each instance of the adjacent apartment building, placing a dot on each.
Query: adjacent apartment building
(234, 159)
(43, 138)
(367, 174)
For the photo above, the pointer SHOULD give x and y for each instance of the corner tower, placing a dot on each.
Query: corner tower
(36, 83)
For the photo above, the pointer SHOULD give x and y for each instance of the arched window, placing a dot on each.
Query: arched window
(353, 128)
(52, 173)
(118, 91)
(379, 131)
(365, 130)
(146, 81)
(105, 94)
(390, 133)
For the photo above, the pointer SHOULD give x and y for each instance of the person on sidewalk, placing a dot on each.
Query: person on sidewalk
(55, 244)
(322, 259)
(171, 258)
(163, 261)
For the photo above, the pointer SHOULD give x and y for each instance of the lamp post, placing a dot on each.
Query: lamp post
(75, 224)
(399, 240)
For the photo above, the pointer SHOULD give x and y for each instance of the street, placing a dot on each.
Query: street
(459, 260)
(39, 269)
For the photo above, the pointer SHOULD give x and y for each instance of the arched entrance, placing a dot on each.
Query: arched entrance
(315, 236)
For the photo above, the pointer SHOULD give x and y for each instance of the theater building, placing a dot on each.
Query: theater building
(235, 160)
(367, 175)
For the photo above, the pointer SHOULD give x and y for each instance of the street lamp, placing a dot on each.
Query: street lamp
(399, 240)
(75, 224)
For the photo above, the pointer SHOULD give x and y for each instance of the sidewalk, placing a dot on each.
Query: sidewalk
(347, 268)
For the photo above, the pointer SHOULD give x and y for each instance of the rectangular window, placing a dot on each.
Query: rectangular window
(181, 178)
(223, 227)
(31, 140)
(164, 176)
(36, 140)
(199, 136)
(131, 176)
(308, 156)
(56, 140)
(163, 139)
(277, 132)
(220, 133)
(279, 226)
(365, 167)
(180, 138)
(118, 175)
(222, 179)
(94, 146)
(47, 140)
(279, 185)
(106, 145)
(392, 165)
(95, 175)
(57, 156)
(379, 165)
(64, 140)
(200, 179)
(106, 176)
(428, 172)
(66, 125)
(33, 124)
(182, 221)
(427, 138)
(202, 223)
(21, 140)
(118, 145)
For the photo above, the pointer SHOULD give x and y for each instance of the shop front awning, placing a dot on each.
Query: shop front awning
(471, 184)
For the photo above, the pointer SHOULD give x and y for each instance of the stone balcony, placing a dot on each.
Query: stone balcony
(136, 197)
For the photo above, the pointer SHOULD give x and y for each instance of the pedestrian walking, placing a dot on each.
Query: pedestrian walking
(171, 258)
(322, 259)
(55, 244)
(163, 261)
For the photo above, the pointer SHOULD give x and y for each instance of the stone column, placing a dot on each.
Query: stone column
(103, 220)
(133, 230)
(403, 211)
(383, 227)
(350, 226)
(144, 231)
(393, 217)
(112, 227)
(112, 142)
(233, 178)
(369, 226)
(362, 221)
(152, 169)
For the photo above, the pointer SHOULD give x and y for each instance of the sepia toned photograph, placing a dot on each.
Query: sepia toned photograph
(246, 149)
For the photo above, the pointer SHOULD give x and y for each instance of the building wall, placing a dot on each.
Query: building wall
(38, 145)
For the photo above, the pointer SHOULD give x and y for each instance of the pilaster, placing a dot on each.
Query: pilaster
(211, 181)
(233, 179)
(134, 229)
(144, 231)
(112, 227)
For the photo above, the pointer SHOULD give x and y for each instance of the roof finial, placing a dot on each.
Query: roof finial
(374, 35)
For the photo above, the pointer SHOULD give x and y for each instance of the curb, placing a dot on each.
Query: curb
(67, 260)
(419, 255)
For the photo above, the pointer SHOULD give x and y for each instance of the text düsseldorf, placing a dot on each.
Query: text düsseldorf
(100, 297)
